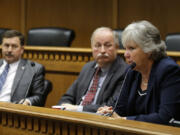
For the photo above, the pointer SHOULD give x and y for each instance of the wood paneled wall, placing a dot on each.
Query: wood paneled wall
(82, 16)
(10, 14)
(165, 14)
(85, 15)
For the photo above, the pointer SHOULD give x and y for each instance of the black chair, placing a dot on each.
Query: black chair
(119, 32)
(173, 42)
(50, 36)
(2, 30)
(47, 89)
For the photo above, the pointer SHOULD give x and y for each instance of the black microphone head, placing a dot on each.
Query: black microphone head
(32, 64)
(133, 65)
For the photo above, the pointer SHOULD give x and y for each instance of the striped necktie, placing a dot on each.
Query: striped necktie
(3, 76)
(89, 97)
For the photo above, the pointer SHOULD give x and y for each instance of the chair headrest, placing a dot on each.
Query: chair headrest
(50, 36)
(173, 42)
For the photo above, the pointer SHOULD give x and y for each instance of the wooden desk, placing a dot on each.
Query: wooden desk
(64, 64)
(28, 120)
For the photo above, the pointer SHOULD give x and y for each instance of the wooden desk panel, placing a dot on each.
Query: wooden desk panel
(64, 64)
(29, 120)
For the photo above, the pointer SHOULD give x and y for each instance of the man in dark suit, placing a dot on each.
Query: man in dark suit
(104, 44)
(24, 82)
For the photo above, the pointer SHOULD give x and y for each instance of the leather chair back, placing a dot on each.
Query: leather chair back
(119, 32)
(47, 89)
(2, 30)
(50, 36)
(173, 42)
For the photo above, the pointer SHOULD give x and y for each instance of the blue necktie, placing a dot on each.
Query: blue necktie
(3, 76)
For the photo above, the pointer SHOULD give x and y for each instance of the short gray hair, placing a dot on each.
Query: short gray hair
(147, 37)
(114, 33)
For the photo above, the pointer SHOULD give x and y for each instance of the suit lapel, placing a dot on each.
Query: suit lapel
(106, 81)
(89, 78)
(1, 62)
(132, 96)
(151, 84)
(19, 73)
(110, 74)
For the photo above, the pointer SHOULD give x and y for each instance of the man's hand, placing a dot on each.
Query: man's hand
(70, 107)
(24, 102)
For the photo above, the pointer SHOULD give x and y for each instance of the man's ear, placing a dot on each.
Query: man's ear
(117, 46)
(22, 50)
(149, 55)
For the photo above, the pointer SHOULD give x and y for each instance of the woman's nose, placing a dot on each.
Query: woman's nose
(126, 54)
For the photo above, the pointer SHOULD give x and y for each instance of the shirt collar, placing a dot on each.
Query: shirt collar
(104, 69)
(12, 64)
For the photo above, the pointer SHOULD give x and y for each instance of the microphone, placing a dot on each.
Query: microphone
(133, 65)
(32, 64)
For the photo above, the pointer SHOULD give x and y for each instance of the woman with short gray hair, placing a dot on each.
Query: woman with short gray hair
(147, 36)
(151, 90)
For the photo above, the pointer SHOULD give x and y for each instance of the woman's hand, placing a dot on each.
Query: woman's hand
(108, 110)
(105, 110)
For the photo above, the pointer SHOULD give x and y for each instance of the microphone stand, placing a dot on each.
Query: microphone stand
(130, 67)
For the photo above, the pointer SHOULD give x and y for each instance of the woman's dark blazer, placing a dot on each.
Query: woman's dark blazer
(162, 103)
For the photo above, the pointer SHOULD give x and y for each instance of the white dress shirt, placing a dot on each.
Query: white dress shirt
(100, 83)
(5, 93)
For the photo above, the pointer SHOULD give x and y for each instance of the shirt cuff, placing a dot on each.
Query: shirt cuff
(130, 117)
(80, 108)
(29, 101)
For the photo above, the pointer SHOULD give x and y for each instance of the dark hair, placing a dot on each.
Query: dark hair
(13, 33)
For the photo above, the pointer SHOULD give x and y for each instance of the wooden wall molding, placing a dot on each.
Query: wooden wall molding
(59, 59)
